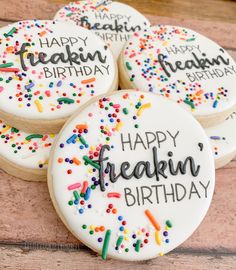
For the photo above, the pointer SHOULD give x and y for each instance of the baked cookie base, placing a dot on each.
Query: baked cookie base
(27, 174)
(205, 121)
(221, 162)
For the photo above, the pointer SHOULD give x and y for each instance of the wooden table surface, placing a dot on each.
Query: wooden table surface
(31, 234)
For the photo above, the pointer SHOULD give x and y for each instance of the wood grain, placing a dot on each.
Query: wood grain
(15, 258)
(211, 10)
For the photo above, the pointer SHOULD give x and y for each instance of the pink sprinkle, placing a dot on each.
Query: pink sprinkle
(48, 93)
(1, 89)
(113, 195)
(116, 106)
(90, 114)
(74, 186)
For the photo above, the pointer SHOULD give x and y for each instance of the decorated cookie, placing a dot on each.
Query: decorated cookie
(131, 175)
(183, 66)
(223, 140)
(24, 155)
(112, 21)
(48, 70)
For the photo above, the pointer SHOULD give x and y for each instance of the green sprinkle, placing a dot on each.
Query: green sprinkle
(106, 244)
(70, 202)
(89, 161)
(34, 136)
(119, 241)
(69, 14)
(126, 250)
(82, 140)
(191, 39)
(84, 226)
(91, 232)
(66, 100)
(137, 245)
(125, 111)
(14, 130)
(136, 125)
(189, 103)
(12, 31)
(93, 187)
(169, 224)
(128, 66)
(76, 194)
(6, 65)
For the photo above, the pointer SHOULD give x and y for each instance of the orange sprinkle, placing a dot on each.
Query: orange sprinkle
(114, 210)
(85, 185)
(97, 229)
(10, 49)
(60, 160)
(102, 228)
(152, 220)
(199, 92)
(82, 126)
(42, 33)
(76, 161)
(88, 80)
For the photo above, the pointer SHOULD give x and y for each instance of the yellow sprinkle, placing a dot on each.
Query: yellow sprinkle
(118, 126)
(126, 231)
(6, 129)
(92, 148)
(20, 106)
(91, 227)
(143, 107)
(52, 135)
(161, 254)
(39, 105)
(157, 237)
(139, 233)
(126, 238)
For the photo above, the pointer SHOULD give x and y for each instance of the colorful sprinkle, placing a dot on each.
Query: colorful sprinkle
(153, 220)
(106, 244)
(74, 186)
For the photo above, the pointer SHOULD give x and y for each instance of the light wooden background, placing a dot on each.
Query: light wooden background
(31, 234)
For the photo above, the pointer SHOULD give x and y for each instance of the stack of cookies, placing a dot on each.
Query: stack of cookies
(131, 173)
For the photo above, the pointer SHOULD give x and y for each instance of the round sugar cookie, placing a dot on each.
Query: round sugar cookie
(184, 66)
(48, 70)
(24, 155)
(114, 22)
(223, 140)
(125, 172)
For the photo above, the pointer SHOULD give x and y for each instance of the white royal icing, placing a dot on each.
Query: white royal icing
(223, 137)
(114, 22)
(17, 147)
(198, 86)
(28, 93)
(142, 122)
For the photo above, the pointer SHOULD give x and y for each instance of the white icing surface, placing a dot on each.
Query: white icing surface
(157, 115)
(31, 154)
(103, 13)
(52, 38)
(223, 137)
(140, 59)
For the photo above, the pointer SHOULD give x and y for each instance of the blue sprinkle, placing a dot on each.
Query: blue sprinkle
(71, 139)
(87, 194)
